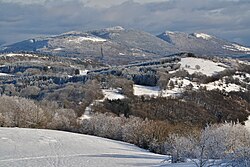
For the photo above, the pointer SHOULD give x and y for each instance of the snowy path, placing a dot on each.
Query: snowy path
(46, 148)
(111, 94)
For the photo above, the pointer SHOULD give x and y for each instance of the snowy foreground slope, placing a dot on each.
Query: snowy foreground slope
(32, 147)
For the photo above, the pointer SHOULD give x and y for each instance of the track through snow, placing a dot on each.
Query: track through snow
(48, 148)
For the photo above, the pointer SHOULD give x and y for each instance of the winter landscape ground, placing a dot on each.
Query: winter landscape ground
(46, 148)
(120, 96)
(176, 106)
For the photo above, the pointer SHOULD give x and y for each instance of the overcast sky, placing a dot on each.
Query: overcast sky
(228, 19)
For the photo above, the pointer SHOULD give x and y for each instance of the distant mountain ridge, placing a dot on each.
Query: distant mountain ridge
(201, 43)
(117, 45)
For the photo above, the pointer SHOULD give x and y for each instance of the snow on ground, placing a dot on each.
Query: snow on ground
(18, 54)
(4, 74)
(88, 38)
(235, 47)
(169, 32)
(121, 54)
(207, 67)
(186, 164)
(112, 94)
(140, 90)
(203, 36)
(247, 123)
(222, 86)
(87, 112)
(84, 72)
(46, 148)
(58, 49)
(241, 76)
(116, 28)
(241, 48)
(180, 84)
(229, 47)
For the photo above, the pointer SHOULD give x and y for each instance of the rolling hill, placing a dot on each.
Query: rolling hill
(116, 45)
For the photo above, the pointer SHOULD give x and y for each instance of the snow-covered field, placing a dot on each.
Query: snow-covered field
(46, 148)
(112, 94)
(180, 86)
(206, 67)
(222, 86)
(140, 90)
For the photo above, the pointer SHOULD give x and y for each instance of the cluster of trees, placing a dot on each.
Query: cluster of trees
(224, 144)
(173, 125)
(164, 125)
(125, 85)
(227, 144)
(192, 108)
(24, 113)
(144, 133)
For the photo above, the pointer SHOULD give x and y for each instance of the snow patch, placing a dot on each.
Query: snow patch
(235, 48)
(206, 67)
(247, 123)
(84, 72)
(116, 28)
(58, 49)
(169, 32)
(121, 54)
(140, 90)
(18, 54)
(181, 84)
(4, 74)
(241, 48)
(88, 38)
(222, 86)
(112, 94)
(203, 36)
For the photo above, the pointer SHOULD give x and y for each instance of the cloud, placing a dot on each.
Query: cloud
(228, 19)
(88, 3)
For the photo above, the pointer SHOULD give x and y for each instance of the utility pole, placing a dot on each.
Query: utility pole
(102, 55)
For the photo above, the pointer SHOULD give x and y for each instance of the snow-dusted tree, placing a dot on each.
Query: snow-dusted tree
(171, 85)
(92, 91)
(163, 80)
(63, 119)
(179, 147)
(20, 112)
(236, 140)
(103, 125)
(217, 144)
(197, 67)
(132, 130)
(30, 91)
(107, 126)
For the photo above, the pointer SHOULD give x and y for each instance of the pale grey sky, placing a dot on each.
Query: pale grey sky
(228, 19)
(89, 3)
